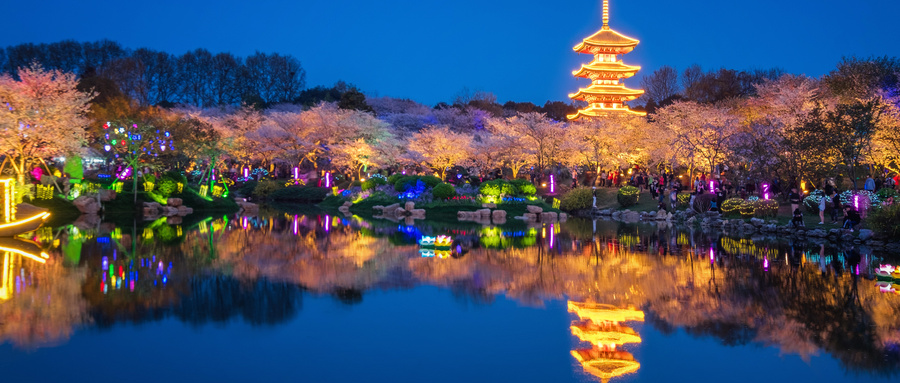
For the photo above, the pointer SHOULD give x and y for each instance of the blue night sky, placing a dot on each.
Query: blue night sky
(429, 50)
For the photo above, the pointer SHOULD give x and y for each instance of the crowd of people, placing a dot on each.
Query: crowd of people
(665, 188)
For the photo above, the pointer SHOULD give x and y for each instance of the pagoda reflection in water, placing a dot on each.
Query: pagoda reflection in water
(600, 325)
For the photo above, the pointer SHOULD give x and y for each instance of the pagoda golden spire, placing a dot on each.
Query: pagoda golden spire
(606, 95)
(605, 14)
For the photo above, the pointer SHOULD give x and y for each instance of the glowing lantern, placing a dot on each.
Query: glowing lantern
(552, 184)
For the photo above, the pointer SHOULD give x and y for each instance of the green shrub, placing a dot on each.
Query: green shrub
(431, 181)
(247, 188)
(886, 221)
(524, 187)
(371, 183)
(577, 199)
(497, 187)
(444, 191)
(166, 187)
(885, 193)
(731, 206)
(305, 194)
(392, 180)
(628, 196)
(765, 208)
(191, 198)
(265, 188)
(177, 175)
(489, 189)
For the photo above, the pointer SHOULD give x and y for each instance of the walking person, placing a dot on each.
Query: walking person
(822, 204)
(673, 198)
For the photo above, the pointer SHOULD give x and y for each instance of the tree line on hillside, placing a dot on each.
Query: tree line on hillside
(152, 77)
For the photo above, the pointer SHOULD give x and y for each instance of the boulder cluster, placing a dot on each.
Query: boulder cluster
(172, 208)
(713, 221)
(393, 212)
(537, 214)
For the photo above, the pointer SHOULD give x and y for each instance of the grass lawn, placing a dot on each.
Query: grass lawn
(606, 199)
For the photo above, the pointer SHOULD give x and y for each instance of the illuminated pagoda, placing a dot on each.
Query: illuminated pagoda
(606, 96)
(600, 326)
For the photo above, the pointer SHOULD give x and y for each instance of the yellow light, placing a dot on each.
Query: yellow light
(26, 254)
(41, 216)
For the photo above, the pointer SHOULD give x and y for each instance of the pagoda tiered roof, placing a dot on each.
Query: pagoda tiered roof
(606, 93)
(606, 364)
(597, 70)
(606, 41)
(594, 112)
(599, 313)
(606, 333)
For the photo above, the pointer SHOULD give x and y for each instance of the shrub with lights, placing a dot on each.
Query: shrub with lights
(628, 196)
(765, 208)
(732, 206)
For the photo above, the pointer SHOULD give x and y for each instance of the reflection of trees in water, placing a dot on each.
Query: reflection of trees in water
(221, 298)
(46, 307)
(709, 286)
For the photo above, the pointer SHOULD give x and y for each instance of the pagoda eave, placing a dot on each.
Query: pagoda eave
(595, 75)
(602, 49)
(589, 113)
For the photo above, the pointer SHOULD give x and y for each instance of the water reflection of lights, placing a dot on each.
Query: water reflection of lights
(13, 279)
(600, 326)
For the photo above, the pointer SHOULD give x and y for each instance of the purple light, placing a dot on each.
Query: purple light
(551, 229)
(766, 263)
(552, 184)
(327, 223)
(296, 172)
(712, 185)
(328, 180)
(856, 201)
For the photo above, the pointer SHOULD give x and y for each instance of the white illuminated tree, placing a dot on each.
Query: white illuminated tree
(42, 115)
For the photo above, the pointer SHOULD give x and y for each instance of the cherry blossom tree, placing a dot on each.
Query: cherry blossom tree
(702, 133)
(42, 115)
(440, 148)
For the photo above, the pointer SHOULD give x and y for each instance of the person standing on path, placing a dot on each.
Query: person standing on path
(794, 197)
(836, 206)
(870, 184)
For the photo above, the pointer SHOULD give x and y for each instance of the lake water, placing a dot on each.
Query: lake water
(318, 298)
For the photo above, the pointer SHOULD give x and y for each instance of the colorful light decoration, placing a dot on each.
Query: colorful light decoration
(552, 184)
(765, 188)
(328, 180)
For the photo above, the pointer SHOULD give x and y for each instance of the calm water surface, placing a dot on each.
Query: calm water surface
(319, 298)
